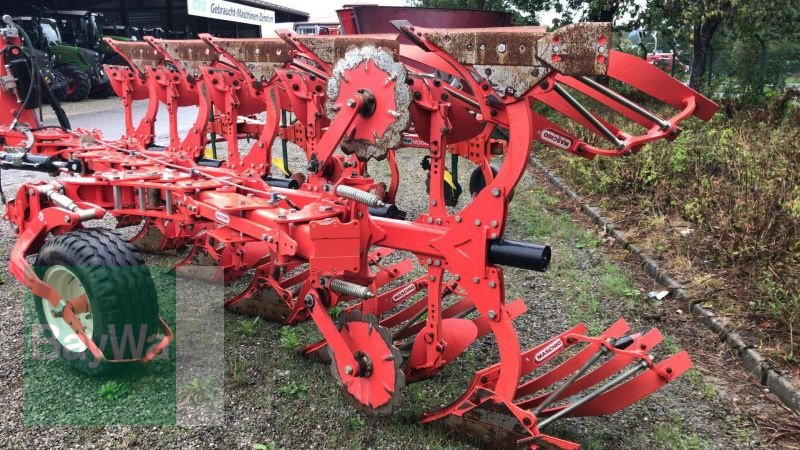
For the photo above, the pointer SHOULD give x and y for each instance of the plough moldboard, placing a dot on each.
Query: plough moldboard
(319, 237)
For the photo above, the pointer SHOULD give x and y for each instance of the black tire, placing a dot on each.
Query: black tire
(120, 290)
(79, 83)
(477, 181)
(103, 90)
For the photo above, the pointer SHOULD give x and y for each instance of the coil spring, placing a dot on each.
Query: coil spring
(351, 289)
(358, 195)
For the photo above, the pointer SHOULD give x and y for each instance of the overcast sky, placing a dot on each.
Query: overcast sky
(325, 10)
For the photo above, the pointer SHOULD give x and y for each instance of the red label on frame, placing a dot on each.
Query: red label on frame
(403, 293)
(550, 350)
(555, 138)
(222, 218)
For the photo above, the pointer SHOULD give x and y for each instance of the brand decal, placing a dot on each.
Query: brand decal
(403, 293)
(222, 218)
(548, 351)
(414, 142)
(557, 139)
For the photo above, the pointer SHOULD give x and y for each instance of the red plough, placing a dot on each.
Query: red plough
(323, 237)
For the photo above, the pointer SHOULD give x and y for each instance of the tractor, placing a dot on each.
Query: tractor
(81, 67)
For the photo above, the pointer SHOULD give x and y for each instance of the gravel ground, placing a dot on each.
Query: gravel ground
(274, 398)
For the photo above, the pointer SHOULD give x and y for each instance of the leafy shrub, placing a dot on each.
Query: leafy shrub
(112, 391)
(737, 180)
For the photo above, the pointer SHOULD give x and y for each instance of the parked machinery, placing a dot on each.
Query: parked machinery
(325, 244)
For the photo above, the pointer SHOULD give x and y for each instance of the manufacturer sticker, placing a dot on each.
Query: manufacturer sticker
(222, 218)
(556, 138)
(402, 294)
(551, 349)
(414, 142)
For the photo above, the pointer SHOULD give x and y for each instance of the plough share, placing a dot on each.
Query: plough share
(320, 237)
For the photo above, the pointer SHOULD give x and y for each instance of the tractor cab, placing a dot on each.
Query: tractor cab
(80, 28)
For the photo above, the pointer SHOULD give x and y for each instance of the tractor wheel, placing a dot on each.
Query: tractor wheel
(103, 90)
(78, 82)
(122, 312)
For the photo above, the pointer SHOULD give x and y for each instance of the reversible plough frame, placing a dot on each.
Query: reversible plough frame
(319, 238)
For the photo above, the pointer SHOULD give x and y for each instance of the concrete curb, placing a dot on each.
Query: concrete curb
(756, 364)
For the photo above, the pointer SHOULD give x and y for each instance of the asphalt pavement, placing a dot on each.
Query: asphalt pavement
(108, 116)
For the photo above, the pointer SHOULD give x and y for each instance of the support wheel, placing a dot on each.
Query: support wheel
(121, 314)
(375, 386)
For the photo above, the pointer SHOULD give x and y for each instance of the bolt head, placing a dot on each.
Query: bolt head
(492, 315)
(348, 370)
(351, 104)
(501, 48)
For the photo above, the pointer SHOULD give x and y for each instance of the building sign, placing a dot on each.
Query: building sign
(232, 12)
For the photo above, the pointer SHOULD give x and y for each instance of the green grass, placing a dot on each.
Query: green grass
(288, 338)
(297, 389)
(248, 327)
(200, 390)
(671, 436)
(603, 283)
(707, 389)
(55, 394)
(112, 391)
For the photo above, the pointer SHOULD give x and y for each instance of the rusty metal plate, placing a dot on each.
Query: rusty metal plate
(260, 56)
(189, 53)
(264, 50)
(577, 49)
(512, 80)
(140, 54)
(506, 46)
(266, 304)
(332, 48)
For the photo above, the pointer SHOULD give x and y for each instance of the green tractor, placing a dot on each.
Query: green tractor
(81, 67)
(83, 29)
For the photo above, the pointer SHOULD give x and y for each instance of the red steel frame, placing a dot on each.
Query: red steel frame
(325, 227)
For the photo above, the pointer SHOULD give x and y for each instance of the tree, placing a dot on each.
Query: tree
(704, 18)
(524, 11)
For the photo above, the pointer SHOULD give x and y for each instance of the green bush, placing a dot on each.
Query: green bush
(736, 179)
